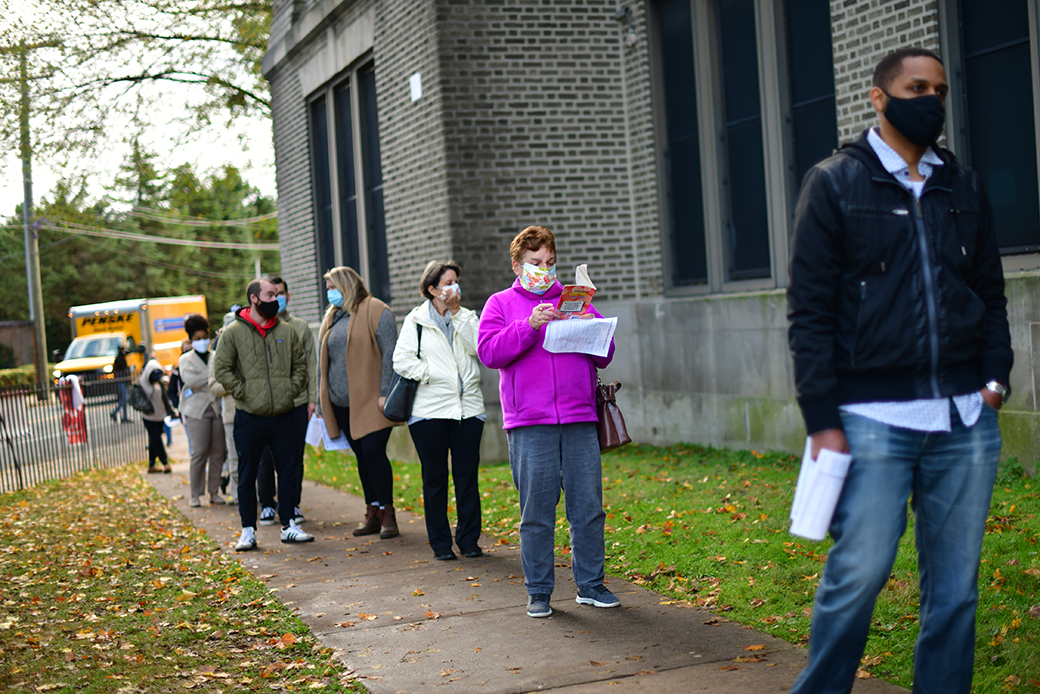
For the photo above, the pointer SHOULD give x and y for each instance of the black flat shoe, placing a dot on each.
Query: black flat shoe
(447, 556)
(473, 552)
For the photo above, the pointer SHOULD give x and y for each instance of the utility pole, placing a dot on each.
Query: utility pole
(32, 246)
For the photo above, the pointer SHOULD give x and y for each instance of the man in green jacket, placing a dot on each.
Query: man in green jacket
(306, 405)
(261, 363)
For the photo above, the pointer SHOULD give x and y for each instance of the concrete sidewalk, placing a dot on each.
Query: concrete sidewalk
(408, 623)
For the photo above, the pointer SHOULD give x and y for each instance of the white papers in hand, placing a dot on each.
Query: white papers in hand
(819, 486)
(331, 444)
(314, 429)
(583, 335)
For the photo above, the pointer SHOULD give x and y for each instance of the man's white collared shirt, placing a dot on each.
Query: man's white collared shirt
(919, 415)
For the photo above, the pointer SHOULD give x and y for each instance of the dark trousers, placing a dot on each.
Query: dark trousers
(156, 450)
(252, 434)
(377, 477)
(123, 391)
(265, 484)
(433, 439)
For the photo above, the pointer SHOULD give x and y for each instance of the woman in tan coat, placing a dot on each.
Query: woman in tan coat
(357, 338)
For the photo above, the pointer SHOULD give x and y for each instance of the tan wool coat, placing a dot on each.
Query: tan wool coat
(364, 373)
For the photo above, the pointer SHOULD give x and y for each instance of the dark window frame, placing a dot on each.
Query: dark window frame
(958, 128)
(359, 244)
(778, 146)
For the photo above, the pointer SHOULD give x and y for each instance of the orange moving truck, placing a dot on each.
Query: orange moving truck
(141, 326)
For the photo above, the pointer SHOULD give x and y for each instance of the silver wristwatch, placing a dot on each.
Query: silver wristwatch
(1000, 389)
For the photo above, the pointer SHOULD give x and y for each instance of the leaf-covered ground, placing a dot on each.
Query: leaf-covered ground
(709, 526)
(105, 587)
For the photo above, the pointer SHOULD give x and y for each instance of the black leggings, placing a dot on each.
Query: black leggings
(377, 477)
(156, 450)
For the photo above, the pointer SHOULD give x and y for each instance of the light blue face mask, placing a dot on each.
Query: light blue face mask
(281, 303)
(335, 297)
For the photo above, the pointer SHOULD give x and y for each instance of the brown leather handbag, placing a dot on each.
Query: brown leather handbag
(611, 425)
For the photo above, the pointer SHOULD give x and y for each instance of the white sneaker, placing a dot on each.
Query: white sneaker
(246, 541)
(298, 517)
(195, 503)
(268, 516)
(293, 533)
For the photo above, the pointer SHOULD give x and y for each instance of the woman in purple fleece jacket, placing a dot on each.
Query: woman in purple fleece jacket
(549, 414)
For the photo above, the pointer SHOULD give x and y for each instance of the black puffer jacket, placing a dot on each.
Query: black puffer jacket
(893, 299)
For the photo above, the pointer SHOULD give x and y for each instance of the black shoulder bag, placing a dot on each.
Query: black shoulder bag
(398, 404)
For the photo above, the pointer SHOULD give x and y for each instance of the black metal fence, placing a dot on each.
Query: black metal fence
(43, 436)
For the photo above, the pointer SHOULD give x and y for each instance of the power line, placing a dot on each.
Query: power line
(49, 245)
(76, 228)
(168, 266)
(155, 216)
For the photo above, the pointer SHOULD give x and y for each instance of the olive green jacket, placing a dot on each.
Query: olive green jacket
(303, 331)
(264, 374)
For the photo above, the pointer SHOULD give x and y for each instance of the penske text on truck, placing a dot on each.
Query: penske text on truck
(140, 326)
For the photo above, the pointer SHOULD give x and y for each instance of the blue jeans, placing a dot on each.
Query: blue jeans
(950, 479)
(545, 459)
(123, 391)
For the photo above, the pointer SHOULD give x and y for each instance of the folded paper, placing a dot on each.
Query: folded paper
(819, 487)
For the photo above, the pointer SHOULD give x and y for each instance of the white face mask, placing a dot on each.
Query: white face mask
(450, 289)
(200, 345)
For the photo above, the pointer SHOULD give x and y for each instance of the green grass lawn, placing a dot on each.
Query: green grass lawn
(709, 526)
(105, 587)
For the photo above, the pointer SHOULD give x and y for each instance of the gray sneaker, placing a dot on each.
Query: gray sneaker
(597, 596)
(538, 605)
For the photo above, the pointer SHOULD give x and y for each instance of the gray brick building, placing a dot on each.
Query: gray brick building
(663, 140)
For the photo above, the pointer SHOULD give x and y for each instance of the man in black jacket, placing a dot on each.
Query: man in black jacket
(902, 353)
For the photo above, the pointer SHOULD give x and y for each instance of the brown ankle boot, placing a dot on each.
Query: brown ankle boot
(389, 520)
(371, 524)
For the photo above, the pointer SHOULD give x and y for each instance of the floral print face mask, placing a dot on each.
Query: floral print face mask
(536, 280)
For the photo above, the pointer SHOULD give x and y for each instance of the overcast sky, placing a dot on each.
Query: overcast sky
(248, 147)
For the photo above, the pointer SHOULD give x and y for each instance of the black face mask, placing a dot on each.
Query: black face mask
(268, 308)
(920, 119)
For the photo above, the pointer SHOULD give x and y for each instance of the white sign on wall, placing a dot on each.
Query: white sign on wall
(415, 85)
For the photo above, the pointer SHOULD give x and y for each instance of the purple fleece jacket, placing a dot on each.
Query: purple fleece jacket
(535, 386)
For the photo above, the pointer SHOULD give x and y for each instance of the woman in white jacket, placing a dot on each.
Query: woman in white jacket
(438, 348)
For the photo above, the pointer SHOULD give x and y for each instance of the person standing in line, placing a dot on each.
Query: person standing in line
(229, 475)
(200, 414)
(357, 337)
(152, 380)
(902, 352)
(121, 372)
(261, 363)
(549, 414)
(448, 411)
(306, 405)
(173, 392)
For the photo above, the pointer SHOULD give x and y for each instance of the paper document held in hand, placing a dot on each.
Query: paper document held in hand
(314, 427)
(318, 432)
(577, 297)
(582, 335)
(819, 486)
